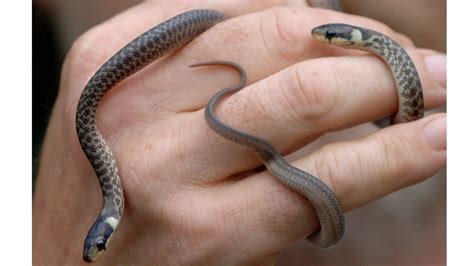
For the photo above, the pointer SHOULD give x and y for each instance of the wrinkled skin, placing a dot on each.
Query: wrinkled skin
(193, 197)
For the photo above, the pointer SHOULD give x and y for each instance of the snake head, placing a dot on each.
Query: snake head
(98, 238)
(338, 34)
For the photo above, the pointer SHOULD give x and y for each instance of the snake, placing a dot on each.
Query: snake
(407, 80)
(164, 38)
(170, 36)
(321, 197)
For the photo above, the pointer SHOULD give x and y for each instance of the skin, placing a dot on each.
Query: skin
(194, 197)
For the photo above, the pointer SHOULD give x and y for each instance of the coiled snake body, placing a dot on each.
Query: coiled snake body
(171, 35)
(410, 93)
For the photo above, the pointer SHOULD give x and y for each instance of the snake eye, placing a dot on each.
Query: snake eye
(101, 245)
(330, 33)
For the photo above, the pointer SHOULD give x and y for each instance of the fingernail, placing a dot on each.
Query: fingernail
(435, 133)
(436, 65)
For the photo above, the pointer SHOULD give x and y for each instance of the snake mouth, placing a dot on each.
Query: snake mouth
(92, 254)
(87, 259)
(98, 237)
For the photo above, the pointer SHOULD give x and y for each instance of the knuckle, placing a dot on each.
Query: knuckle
(330, 169)
(237, 33)
(392, 154)
(88, 51)
(234, 231)
(73, 65)
(310, 93)
(81, 48)
(279, 36)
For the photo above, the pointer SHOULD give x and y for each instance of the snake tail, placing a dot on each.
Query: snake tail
(156, 42)
(320, 196)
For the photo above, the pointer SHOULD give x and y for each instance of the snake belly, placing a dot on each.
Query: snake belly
(156, 42)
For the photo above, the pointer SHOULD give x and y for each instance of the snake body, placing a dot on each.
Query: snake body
(407, 80)
(164, 38)
(173, 34)
(321, 197)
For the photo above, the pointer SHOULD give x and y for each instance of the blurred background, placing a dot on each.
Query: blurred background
(405, 228)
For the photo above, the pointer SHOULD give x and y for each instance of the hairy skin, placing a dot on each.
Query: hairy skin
(187, 198)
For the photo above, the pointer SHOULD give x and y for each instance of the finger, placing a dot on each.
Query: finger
(93, 48)
(93, 42)
(98, 44)
(124, 27)
(89, 52)
(124, 101)
(296, 105)
(192, 92)
(270, 216)
(262, 42)
(436, 65)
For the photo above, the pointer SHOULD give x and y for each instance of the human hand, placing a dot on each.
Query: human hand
(193, 197)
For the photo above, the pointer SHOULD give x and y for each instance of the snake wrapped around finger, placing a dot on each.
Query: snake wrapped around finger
(175, 33)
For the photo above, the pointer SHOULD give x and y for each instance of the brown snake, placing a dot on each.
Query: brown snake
(173, 34)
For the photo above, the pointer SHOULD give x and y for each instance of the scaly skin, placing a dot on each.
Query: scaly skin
(158, 41)
(407, 80)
